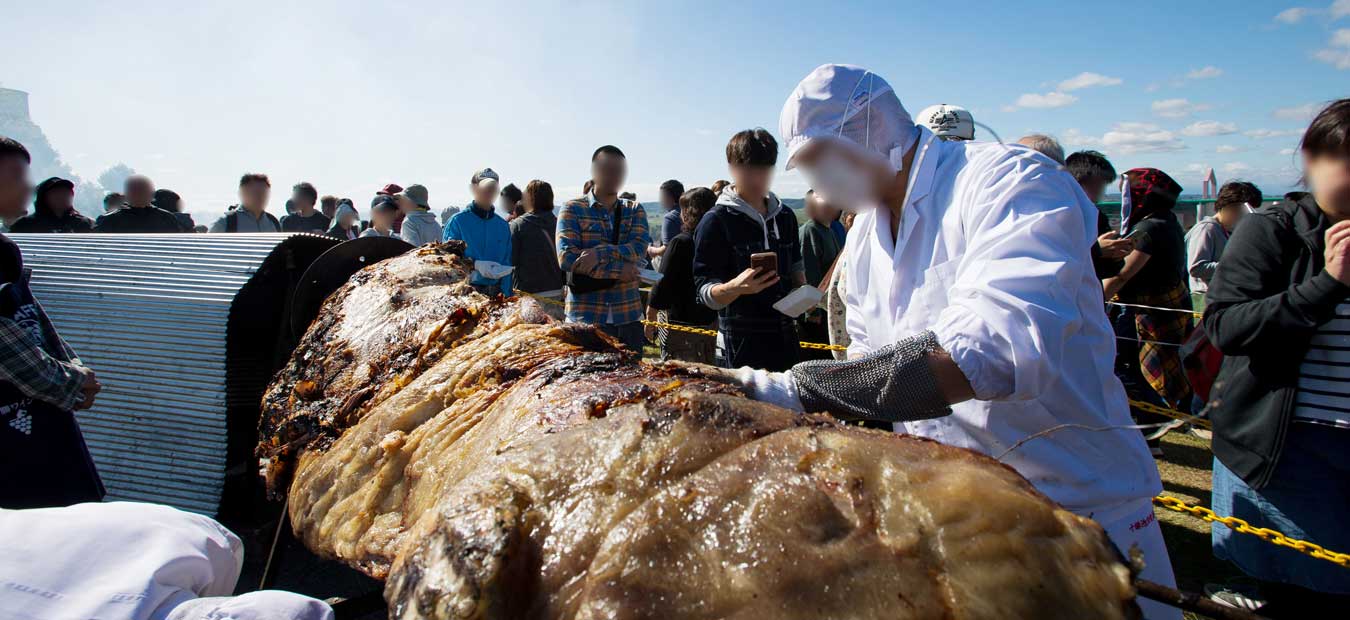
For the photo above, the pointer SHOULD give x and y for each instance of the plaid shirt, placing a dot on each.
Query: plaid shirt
(54, 377)
(584, 224)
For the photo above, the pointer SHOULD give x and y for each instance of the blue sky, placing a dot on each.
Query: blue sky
(351, 95)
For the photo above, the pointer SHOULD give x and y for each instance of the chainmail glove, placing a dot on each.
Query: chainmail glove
(892, 384)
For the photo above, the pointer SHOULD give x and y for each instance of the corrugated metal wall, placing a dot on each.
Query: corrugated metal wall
(149, 314)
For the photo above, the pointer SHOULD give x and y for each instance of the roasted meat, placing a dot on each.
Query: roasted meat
(493, 463)
(715, 507)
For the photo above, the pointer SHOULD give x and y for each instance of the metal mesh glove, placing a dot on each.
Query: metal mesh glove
(894, 384)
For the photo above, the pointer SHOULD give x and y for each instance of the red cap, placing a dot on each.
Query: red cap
(391, 189)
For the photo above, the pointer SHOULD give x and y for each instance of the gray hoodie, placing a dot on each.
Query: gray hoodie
(420, 228)
(1204, 245)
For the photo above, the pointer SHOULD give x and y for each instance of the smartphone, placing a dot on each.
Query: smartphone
(764, 262)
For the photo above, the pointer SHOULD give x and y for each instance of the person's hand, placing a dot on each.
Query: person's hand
(585, 264)
(749, 282)
(629, 273)
(1337, 253)
(654, 251)
(1113, 247)
(649, 331)
(91, 388)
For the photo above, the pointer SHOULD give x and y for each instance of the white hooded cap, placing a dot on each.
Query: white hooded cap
(847, 103)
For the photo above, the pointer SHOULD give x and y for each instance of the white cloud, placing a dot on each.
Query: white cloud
(1205, 73)
(1126, 138)
(1209, 128)
(1236, 168)
(1053, 99)
(1177, 108)
(1292, 15)
(1302, 113)
(1262, 134)
(1087, 79)
(1286, 152)
(1074, 139)
(1337, 51)
(1228, 148)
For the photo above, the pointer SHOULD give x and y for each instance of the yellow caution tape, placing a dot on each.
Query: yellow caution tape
(1175, 415)
(697, 330)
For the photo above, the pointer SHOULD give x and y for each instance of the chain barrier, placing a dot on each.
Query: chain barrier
(1171, 503)
(1271, 536)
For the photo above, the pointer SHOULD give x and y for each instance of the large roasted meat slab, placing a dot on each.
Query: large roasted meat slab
(492, 463)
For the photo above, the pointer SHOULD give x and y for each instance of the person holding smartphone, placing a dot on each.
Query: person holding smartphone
(747, 257)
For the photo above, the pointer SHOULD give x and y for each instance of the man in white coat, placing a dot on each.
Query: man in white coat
(975, 315)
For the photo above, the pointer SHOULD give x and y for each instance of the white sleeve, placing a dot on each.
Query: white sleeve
(854, 321)
(1013, 305)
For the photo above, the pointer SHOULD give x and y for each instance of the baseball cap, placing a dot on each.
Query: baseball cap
(417, 194)
(484, 175)
(390, 189)
(949, 122)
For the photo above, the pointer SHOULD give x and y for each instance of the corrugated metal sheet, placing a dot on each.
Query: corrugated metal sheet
(149, 313)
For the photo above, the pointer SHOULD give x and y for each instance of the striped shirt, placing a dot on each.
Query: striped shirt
(1324, 375)
(586, 224)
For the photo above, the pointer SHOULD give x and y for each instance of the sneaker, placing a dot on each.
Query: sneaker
(1158, 433)
(1234, 595)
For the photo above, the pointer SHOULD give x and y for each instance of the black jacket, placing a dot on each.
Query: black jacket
(1265, 302)
(675, 292)
(534, 253)
(138, 220)
(723, 242)
(45, 222)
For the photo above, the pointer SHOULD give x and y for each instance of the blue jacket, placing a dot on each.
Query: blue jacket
(486, 236)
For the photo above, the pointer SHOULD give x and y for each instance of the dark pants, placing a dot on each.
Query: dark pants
(630, 334)
(771, 346)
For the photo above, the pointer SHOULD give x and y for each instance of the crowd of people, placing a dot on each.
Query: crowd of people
(982, 297)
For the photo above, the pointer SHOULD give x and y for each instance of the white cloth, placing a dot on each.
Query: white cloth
(129, 561)
(992, 255)
(1134, 524)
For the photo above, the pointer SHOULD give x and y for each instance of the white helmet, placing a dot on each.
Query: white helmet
(949, 122)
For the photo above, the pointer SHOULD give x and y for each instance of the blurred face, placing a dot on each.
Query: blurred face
(303, 204)
(1094, 189)
(61, 201)
(669, 202)
(1329, 179)
(609, 172)
(139, 191)
(14, 187)
(382, 218)
(842, 176)
(114, 203)
(752, 182)
(254, 195)
(484, 193)
(347, 219)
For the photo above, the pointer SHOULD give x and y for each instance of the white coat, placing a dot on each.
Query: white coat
(992, 255)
